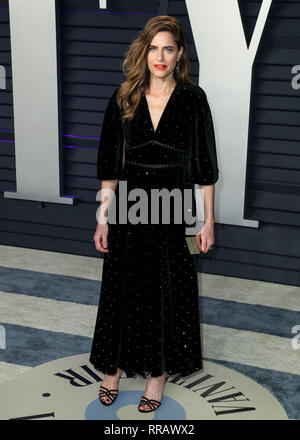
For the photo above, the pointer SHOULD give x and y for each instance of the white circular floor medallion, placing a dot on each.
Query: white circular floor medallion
(67, 389)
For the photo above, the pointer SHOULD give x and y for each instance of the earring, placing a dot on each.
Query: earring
(177, 66)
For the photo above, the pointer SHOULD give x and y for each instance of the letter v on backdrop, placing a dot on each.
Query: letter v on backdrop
(225, 74)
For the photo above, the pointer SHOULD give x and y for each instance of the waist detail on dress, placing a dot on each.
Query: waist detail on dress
(158, 165)
(155, 142)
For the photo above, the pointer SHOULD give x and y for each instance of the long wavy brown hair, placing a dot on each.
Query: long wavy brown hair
(135, 66)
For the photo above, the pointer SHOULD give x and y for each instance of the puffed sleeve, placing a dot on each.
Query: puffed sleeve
(110, 150)
(204, 163)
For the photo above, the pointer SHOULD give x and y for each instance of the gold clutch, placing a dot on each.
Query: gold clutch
(192, 244)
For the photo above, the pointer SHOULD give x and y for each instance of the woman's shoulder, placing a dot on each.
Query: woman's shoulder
(114, 93)
(195, 94)
(112, 100)
(193, 90)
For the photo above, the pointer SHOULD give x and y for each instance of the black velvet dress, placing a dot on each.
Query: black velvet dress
(148, 315)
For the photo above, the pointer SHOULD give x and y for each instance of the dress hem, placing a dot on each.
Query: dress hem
(144, 373)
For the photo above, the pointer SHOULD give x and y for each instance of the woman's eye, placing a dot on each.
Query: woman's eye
(169, 49)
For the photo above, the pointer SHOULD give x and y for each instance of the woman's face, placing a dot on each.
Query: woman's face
(162, 54)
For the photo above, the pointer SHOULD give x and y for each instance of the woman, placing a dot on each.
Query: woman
(157, 133)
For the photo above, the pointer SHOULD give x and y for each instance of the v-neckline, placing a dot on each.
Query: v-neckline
(163, 112)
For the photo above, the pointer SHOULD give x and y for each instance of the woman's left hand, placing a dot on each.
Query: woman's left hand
(205, 238)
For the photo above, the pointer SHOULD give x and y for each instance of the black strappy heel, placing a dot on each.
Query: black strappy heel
(112, 396)
(152, 403)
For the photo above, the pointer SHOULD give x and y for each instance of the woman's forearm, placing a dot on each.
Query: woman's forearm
(108, 188)
(209, 199)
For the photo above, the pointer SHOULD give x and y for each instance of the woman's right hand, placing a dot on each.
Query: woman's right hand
(100, 237)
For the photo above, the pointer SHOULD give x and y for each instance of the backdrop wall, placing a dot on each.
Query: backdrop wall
(92, 46)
